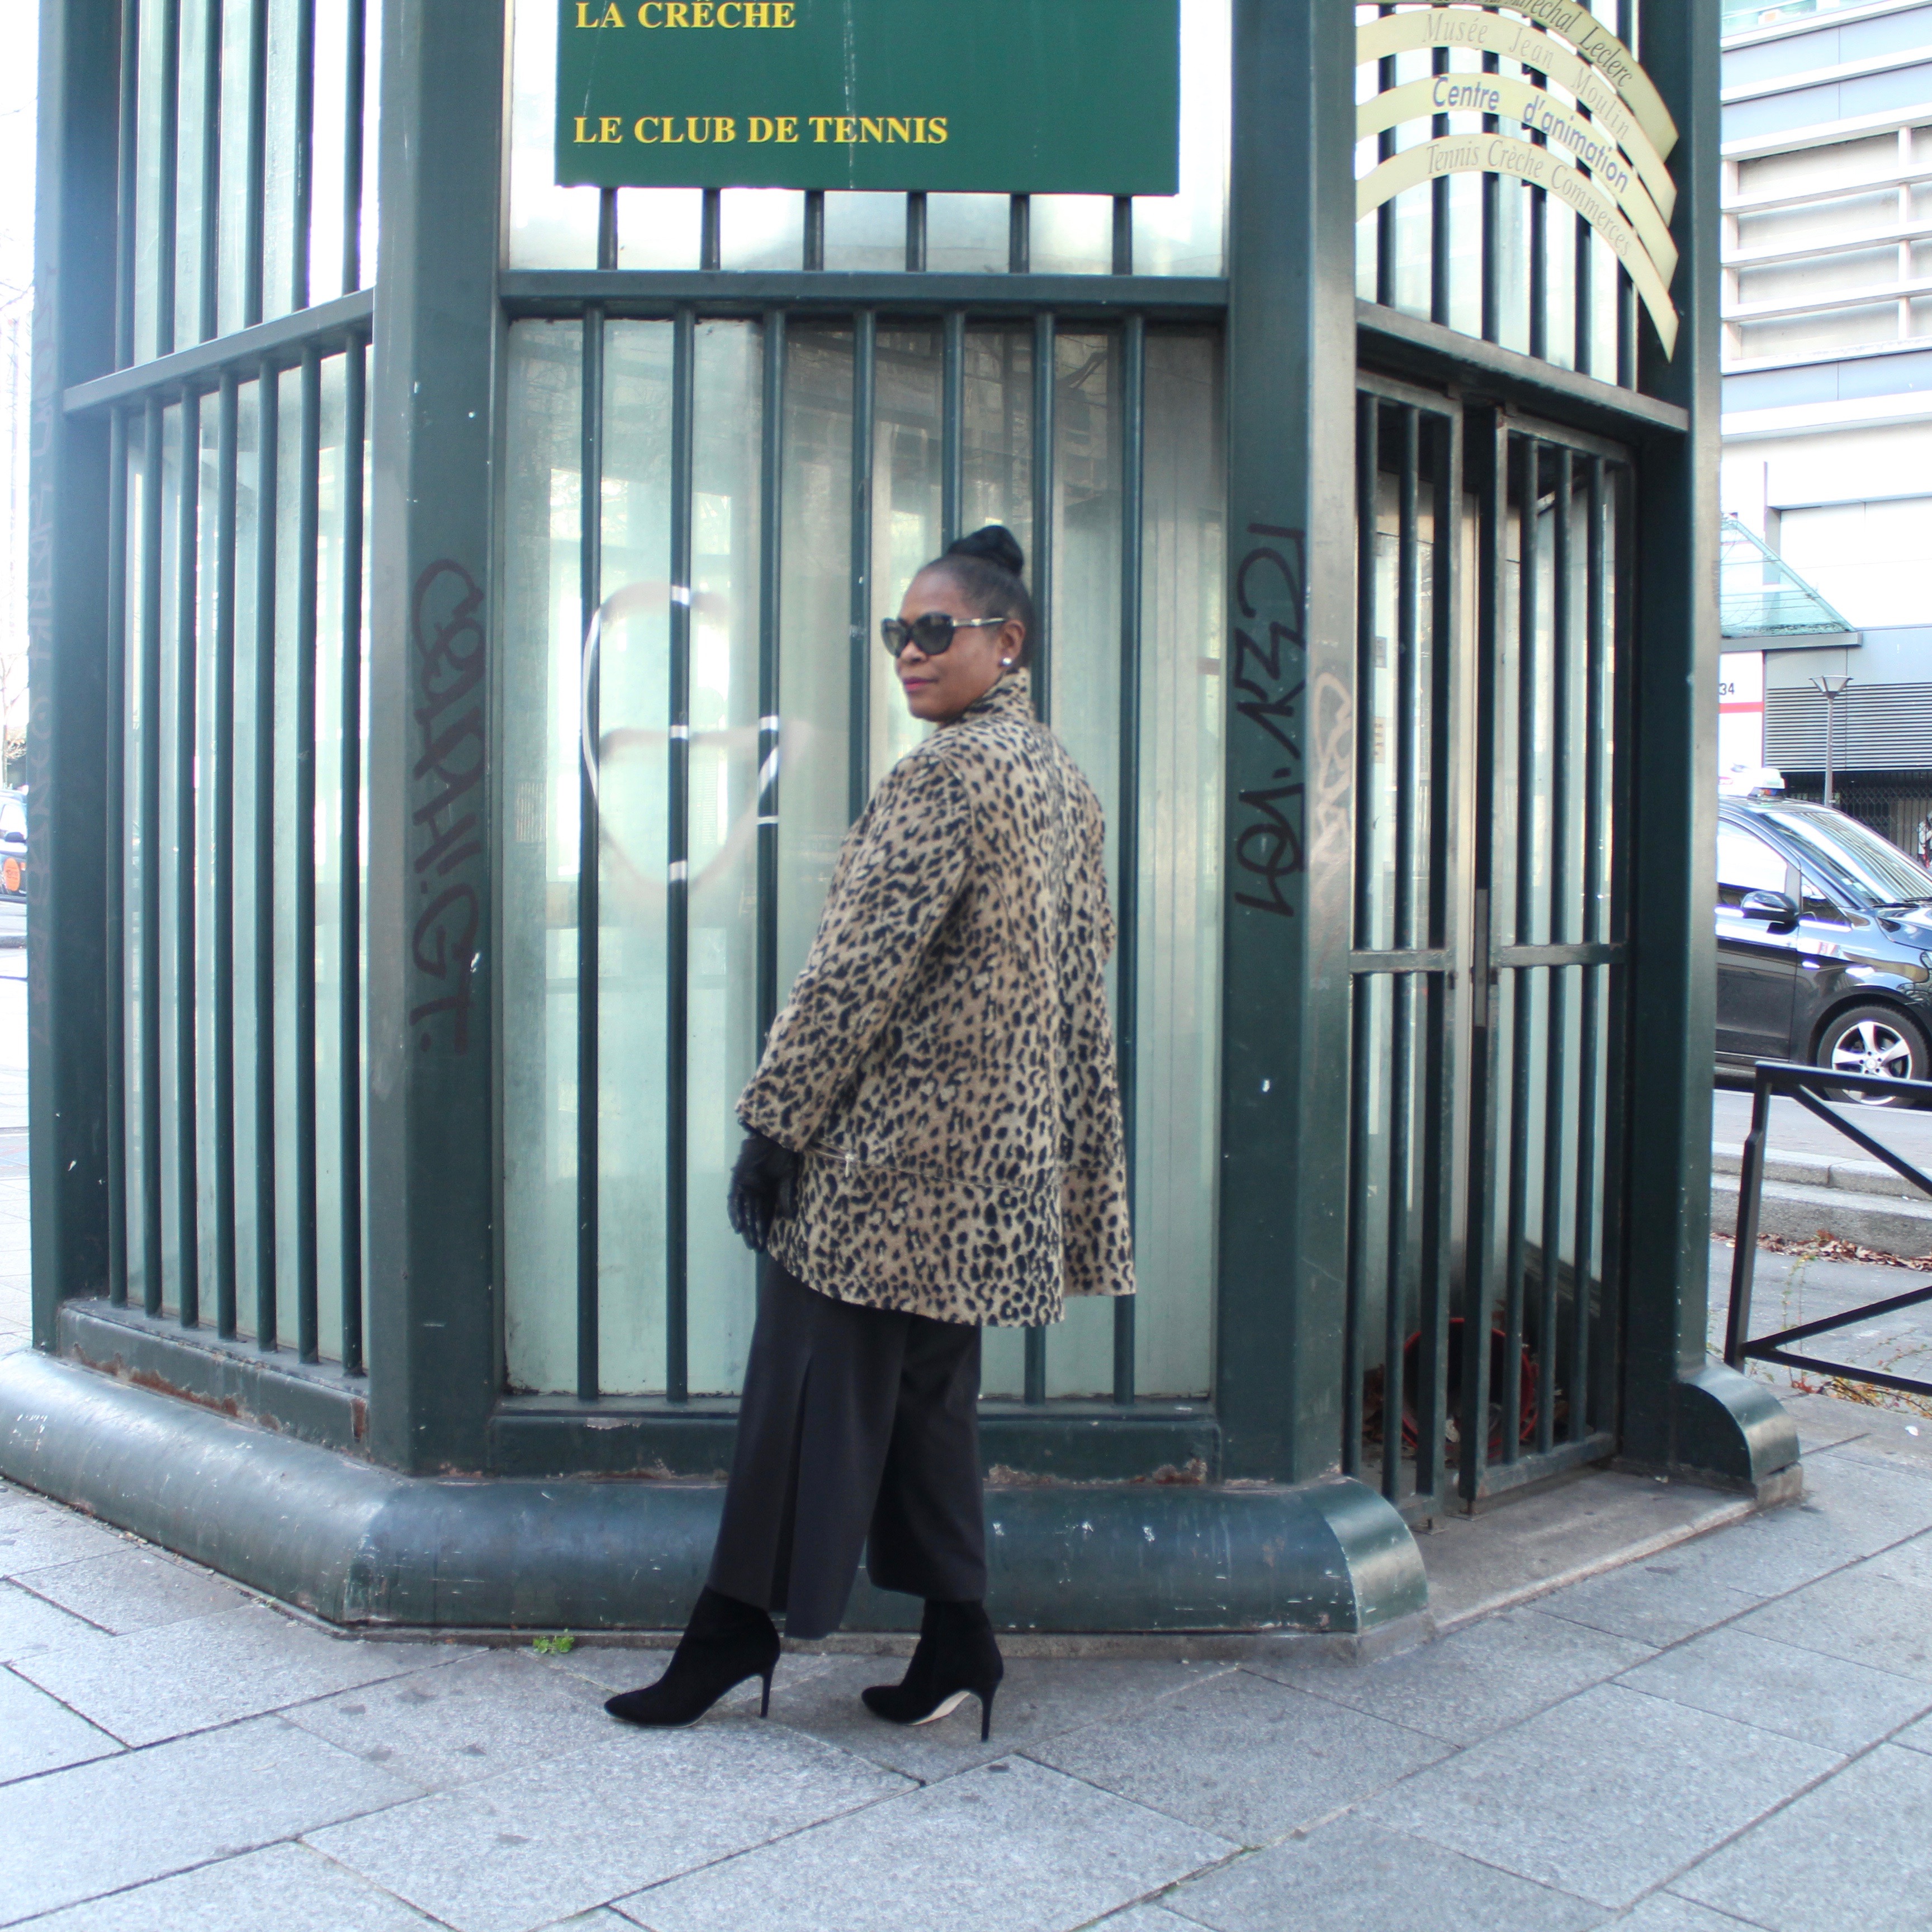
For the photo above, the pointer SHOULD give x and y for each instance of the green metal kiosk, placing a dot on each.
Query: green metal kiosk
(453, 596)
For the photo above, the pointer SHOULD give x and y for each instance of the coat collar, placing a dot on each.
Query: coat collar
(1011, 698)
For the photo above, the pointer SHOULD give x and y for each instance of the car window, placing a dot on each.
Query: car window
(1853, 855)
(1746, 864)
(1817, 904)
(13, 818)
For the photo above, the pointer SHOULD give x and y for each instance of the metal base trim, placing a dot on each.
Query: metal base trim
(357, 1545)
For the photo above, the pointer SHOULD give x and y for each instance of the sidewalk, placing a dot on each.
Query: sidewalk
(1732, 1729)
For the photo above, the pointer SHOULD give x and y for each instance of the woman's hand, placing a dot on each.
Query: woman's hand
(764, 1188)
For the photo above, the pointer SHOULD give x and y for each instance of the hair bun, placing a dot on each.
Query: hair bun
(996, 544)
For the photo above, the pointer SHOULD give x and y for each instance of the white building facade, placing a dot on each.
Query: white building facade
(1827, 384)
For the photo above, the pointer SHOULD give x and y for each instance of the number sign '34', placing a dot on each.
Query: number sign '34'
(1007, 97)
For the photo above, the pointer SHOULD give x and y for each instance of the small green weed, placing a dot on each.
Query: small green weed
(561, 1644)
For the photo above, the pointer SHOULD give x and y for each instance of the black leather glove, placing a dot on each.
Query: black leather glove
(764, 1188)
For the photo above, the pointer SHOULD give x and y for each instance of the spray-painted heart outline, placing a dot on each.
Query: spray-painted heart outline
(643, 893)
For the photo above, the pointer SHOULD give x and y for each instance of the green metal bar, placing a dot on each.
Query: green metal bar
(308, 533)
(115, 767)
(915, 235)
(953, 439)
(1019, 235)
(1523, 673)
(653, 294)
(355, 61)
(1488, 881)
(303, 211)
(329, 325)
(1133, 492)
(1123, 235)
(771, 586)
(127, 164)
(349, 959)
(711, 232)
(254, 261)
(814, 230)
(188, 1185)
(1439, 236)
(1557, 1030)
(167, 175)
(1281, 1252)
(859, 726)
(607, 234)
(267, 477)
(1046, 490)
(677, 913)
(149, 824)
(210, 170)
(435, 1309)
(1385, 148)
(76, 642)
(1492, 220)
(589, 862)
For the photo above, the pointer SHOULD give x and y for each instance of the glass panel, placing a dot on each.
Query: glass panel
(550, 227)
(761, 228)
(1071, 234)
(906, 457)
(150, 109)
(136, 908)
(1183, 577)
(196, 23)
(657, 228)
(864, 230)
(542, 636)
(210, 1128)
(278, 238)
(254, 1137)
(166, 874)
(815, 681)
(1185, 234)
(327, 834)
(726, 522)
(968, 233)
(634, 771)
(325, 228)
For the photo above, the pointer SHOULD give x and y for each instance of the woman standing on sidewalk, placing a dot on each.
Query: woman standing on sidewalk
(933, 1144)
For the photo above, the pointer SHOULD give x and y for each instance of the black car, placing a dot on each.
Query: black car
(1824, 942)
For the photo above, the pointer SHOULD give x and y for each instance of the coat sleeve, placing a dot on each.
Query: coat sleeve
(892, 890)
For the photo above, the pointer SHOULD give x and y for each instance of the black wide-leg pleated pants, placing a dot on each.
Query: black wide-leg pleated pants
(859, 1427)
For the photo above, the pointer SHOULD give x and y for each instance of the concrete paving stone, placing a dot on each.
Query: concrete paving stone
(453, 1724)
(28, 1625)
(1477, 1680)
(1664, 1911)
(549, 1839)
(1243, 1757)
(1863, 1501)
(38, 1733)
(1853, 1853)
(1606, 1795)
(1857, 1615)
(184, 1677)
(1906, 1563)
(1010, 1847)
(137, 1588)
(1916, 1737)
(140, 1815)
(36, 1535)
(1145, 1919)
(1042, 1698)
(1798, 1693)
(1351, 1876)
(283, 1888)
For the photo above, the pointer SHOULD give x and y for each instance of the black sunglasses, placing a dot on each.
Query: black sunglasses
(932, 633)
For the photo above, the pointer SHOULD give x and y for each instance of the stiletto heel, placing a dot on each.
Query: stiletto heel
(725, 1643)
(957, 1658)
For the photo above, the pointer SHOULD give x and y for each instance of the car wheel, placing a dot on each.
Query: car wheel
(1874, 1040)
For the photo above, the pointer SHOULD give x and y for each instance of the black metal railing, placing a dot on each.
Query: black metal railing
(1811, 1088)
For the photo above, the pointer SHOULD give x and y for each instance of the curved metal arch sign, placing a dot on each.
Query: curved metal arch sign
(1605, 157)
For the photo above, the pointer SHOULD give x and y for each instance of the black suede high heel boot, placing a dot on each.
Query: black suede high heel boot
(724, 1642)
(957, 1658)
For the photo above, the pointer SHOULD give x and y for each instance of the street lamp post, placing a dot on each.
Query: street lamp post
(1834, 688)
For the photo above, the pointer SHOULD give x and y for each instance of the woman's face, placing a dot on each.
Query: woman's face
(939, 688)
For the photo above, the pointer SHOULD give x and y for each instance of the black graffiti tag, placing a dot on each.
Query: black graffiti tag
(447, 635)
(1269, 643)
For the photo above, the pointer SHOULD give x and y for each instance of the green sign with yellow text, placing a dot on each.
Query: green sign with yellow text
(1005, 97)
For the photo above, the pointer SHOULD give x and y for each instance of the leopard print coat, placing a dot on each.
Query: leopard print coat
(946, 1063)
